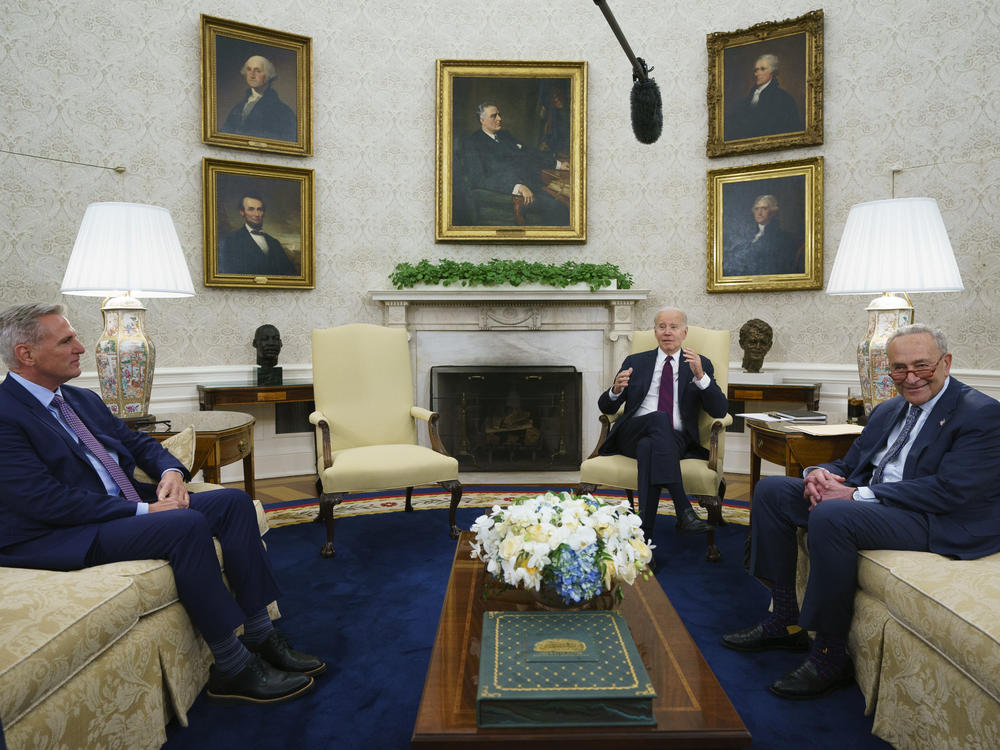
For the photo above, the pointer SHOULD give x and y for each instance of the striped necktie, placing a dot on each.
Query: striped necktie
(890, 455)
(94, 446)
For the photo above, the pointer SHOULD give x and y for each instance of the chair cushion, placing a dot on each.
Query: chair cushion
(621, 471)
(383, 467)
(54, 624)
(180, 446)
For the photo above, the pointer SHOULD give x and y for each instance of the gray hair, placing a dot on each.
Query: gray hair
(670, 308)
(769, 200)
(19, 325)
(481, 107)
(772, 62)
(269, 70)
(937, 333)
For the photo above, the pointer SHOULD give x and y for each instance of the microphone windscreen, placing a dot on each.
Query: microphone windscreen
(647, 111)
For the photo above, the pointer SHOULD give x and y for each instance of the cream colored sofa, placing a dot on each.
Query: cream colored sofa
(925, 641)
(98, 658)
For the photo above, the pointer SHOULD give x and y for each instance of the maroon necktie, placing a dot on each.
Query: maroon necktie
(666, 402)
(95, 447)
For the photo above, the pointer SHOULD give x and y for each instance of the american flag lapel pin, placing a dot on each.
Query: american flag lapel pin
(941, 423)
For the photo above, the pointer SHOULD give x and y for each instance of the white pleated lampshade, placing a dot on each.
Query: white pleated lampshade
(897, 245)
(127, 248)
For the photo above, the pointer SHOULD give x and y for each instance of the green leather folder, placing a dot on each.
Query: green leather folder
(557, 669)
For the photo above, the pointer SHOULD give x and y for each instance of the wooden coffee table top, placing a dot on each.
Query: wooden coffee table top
(691, 709)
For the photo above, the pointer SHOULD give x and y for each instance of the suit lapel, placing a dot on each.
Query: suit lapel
(44, 416)
(933, 425)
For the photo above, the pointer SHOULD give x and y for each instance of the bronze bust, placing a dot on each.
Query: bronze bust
(756, 338)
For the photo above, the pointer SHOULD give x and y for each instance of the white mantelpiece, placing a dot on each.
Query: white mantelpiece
(591, 331)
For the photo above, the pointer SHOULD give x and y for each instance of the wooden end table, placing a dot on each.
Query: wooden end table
(222, 438)
(691, 709)
(781, 443)
(210, 396)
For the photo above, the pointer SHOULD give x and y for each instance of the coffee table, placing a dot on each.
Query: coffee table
(691, 709)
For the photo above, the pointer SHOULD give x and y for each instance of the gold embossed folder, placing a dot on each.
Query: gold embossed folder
(561, 669)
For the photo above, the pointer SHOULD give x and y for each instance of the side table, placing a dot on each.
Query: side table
(738, 394)
(223, 437)
(210, 396)
(781, 443)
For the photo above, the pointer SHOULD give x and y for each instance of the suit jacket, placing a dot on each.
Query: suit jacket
(950, 473)
(269, 118)
(51, 497)
(500, 164)
(691, 399)
(775, 252)
(775, 112)
(238, 253)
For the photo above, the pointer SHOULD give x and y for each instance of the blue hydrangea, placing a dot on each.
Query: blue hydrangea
(574, 574)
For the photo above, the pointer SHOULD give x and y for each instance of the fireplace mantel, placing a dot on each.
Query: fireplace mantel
(535, 325)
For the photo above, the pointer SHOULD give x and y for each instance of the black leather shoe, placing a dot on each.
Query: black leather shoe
(259, 682)
(804, 682)
(753, 639)
(689, 523)
(277, 652)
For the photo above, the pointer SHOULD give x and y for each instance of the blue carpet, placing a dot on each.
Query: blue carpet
(372, 613)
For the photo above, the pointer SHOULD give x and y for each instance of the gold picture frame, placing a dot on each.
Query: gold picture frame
(240, 197)
(765, 227)
(528, 181)
(279, 119)
(784, 58)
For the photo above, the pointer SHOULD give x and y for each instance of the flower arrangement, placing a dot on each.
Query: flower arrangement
(578, 547)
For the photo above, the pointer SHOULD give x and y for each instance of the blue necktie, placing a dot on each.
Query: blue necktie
(897, 446)
(94, 446)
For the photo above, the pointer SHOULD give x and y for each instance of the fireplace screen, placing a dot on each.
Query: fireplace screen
(509, 418)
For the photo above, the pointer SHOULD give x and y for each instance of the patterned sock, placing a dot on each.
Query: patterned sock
(257, 628)
(231, 656)
(829, 653)
(784, 615)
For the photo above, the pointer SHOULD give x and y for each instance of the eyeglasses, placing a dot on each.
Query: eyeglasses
(898, 373)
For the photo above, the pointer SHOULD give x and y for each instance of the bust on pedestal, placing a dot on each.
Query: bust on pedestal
(267, 342)
(756, 338)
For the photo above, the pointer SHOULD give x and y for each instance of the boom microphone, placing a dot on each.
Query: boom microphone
(647, 107)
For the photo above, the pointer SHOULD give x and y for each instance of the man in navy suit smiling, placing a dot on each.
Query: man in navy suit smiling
(921, 476)
(67, 501)
(659, 425)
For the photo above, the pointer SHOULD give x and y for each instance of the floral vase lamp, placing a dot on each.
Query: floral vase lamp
(898, 245)
(125, 250)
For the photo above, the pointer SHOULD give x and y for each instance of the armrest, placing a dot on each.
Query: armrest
(606, 421)
(319, 420)
(718, 426)
(431, 418)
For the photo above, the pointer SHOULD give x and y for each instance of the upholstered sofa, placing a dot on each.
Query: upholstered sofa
(925, 641)
(100, 657)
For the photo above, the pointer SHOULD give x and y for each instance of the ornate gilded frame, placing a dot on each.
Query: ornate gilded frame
(225, 45)
(798, 42)
(287, 194)
(520, 87)
(731, 193)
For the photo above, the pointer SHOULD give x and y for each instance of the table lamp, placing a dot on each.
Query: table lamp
(897, 245)
(125, 250)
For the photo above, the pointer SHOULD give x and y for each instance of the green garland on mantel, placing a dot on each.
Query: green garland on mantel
(513, 272)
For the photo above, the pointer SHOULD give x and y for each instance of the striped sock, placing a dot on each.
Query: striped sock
(784, 612)
(257, 628)
(231, 656)
(829, 654)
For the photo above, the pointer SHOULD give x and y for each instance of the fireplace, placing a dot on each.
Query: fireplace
(518, 418)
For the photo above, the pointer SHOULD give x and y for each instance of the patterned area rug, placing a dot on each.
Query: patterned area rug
(473, 496)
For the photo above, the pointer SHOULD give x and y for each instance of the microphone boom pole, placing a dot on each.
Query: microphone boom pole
(647, 108)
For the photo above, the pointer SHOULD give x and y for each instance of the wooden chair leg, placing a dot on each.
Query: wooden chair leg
(713, 505)
(409, 500)
(631, 500)
(584, 488)
(327, 502)
(455, 487)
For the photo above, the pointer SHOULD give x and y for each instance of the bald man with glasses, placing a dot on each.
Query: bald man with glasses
(921, 476)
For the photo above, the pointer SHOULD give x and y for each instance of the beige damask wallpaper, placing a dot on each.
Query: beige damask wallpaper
(116, 82)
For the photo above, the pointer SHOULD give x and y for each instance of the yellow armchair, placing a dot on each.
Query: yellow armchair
(702, 479)
(366, 435)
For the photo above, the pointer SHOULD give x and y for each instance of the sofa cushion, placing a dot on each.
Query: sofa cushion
(54, 624)
(955, 606)
(181, 446)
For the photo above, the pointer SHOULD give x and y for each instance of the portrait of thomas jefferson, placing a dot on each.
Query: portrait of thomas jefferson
(764, 227)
